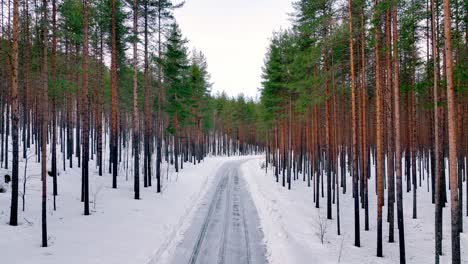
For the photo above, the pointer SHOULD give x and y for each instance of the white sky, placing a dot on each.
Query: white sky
(234, 36)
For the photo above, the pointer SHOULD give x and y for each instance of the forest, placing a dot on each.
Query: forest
(372, 91)
(372, 82)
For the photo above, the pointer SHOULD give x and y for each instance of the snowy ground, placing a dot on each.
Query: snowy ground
(149, 231)
(290, 224)
(120, 229)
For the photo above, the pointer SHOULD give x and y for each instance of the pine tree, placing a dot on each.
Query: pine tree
(136, 125)
(396, 127)
(14, 114)
(44, 121)
(452, 117)
(114, 133)
(178, 93)
(379, 131)
(357, 241)
(85, 109)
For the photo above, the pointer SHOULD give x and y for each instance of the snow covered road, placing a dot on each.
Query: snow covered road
(225, 228)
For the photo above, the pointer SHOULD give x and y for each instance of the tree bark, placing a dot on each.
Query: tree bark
(397, 129)
(114, 136)
(357, 240)
(452, 131)
(379, 133)
(44, 104)
(14, 115)
(84, 113)
(136, 126)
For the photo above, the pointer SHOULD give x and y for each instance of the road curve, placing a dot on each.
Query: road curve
(226, 228)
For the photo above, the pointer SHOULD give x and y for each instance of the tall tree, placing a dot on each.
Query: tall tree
(85, 110)
(397, 133)
(379, 130)
(136, 125)
(44, 121)
(354, 164)
(164, 15)
(452, 131)
(437, 146)
(53, 62)
(114, 133)
(14, 114)
(175, 68)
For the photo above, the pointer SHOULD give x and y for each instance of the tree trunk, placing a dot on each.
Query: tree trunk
(397, 129)
(114, 138)
(84, 113)
(136, 126)
(452, 116)
(14, 115)
(438, 156)
(55, 90)
(357, 239)
(44, 120)
(379, 134)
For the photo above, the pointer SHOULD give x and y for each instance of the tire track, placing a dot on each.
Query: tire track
(216, 198)
(222, 249)
(246, 230)
(218, 237)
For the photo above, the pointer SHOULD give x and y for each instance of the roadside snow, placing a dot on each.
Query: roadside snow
(120, 229)
(290, 223)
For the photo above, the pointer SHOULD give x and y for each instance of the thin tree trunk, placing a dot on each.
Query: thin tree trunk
(136, 140)
(452, 116)
(84, 113)
(437, 172)
(55, 90)
(357, 240)
(397, 129)
(379, 134)
(14, 115)
(114, 138)
(44, 120)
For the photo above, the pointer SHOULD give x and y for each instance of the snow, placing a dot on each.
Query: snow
(290, 223)
(119, 230)
(147, 231)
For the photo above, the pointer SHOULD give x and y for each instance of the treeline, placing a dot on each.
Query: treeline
(357, 82)
(81, 76)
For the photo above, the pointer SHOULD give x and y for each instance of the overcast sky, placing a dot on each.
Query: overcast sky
(234, 36)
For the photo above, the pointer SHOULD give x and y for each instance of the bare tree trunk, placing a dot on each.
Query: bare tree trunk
(379, 134)
(136, 126)
(364, 147)
(147, 106)
(159, 114)
(44, 120)
(452, 116)
(114, 138)
(14, 115)
(397, 129)
(84, 113)
(357, 240)
(55, 90)
(438, 158)
(99, 107)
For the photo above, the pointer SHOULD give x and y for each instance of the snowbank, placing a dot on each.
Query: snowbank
(291, 225)
(120, 229)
